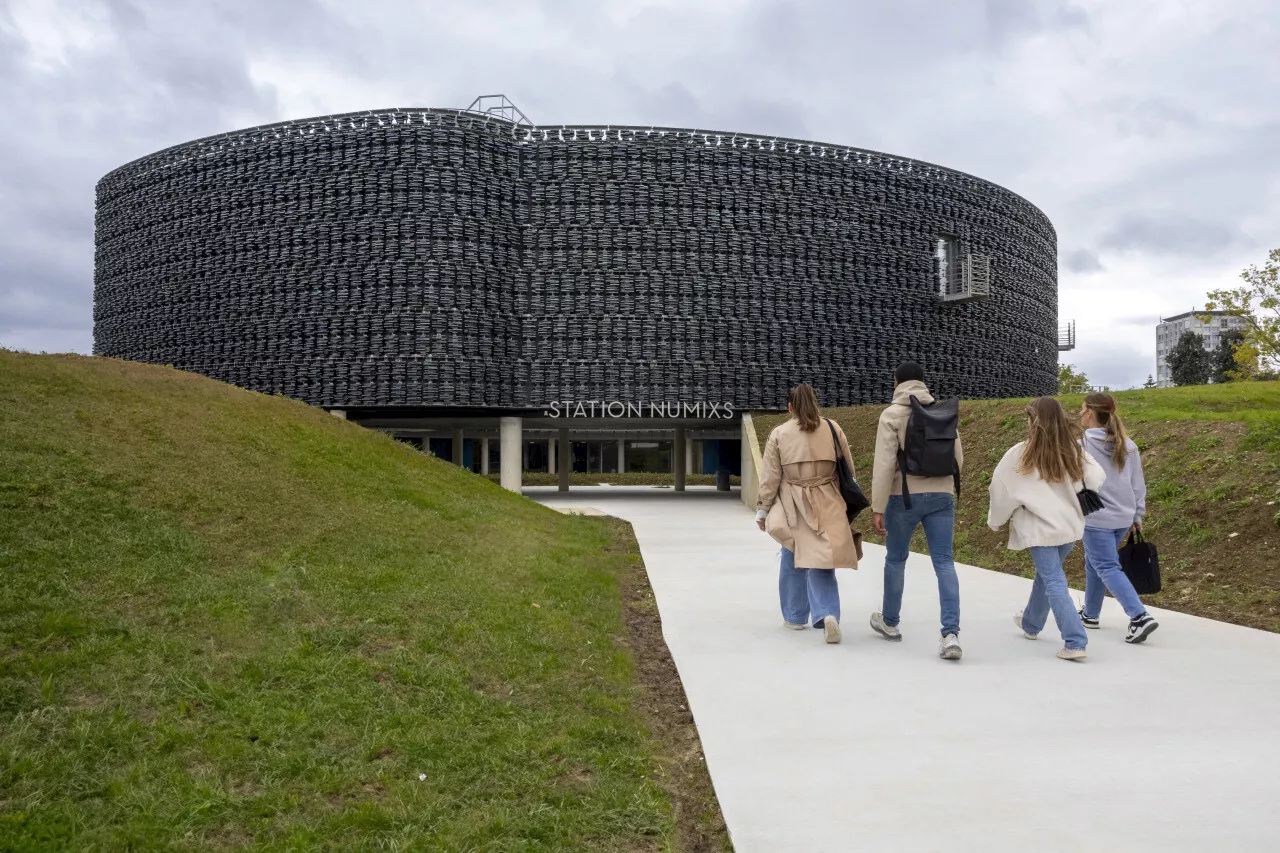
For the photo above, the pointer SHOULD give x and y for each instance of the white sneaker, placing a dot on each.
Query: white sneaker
(1072, 654)
(793, 626)
(1141, 628)
(1017, 620)
(889, 632)
(831, 629)
(949, 647)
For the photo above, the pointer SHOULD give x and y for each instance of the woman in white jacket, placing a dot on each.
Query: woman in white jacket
(1034, 490)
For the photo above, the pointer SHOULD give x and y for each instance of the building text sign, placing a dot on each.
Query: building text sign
(617, 409)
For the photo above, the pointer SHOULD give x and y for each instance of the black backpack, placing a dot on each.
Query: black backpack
(929, 447)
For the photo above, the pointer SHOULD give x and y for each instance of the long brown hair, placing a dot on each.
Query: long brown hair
(803, 401)
(1051, 443)
(1103, 407)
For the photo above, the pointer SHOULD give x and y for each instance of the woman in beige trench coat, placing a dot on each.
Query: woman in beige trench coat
(799, 505)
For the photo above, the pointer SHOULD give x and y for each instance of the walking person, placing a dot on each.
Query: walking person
(926, 501)
(799, 505)
(1034, 489)
(1125, 497)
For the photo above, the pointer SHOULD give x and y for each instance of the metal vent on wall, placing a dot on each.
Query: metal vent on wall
(973, 282)
(1067, 337)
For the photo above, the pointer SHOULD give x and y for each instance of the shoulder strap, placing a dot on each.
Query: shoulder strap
(835, 441)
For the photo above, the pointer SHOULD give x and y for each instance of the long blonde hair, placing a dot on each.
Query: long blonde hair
(1103, 407)
(1051, 446)
(804, 406)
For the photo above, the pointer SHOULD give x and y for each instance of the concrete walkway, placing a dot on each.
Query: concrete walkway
(873, 746)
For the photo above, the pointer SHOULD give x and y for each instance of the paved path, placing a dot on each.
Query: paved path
(873, 746)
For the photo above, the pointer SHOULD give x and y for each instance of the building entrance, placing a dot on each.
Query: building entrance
(562, 446)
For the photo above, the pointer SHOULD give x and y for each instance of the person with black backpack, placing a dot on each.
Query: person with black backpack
(915, 481)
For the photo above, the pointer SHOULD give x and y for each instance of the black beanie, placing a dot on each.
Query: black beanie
(908, 371)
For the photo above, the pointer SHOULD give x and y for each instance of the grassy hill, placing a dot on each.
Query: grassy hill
(1211, 456)
(231, 620)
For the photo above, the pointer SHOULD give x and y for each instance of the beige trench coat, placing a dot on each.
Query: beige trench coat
(798, 488)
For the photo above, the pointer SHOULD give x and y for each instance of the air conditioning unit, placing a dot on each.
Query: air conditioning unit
(971, 282)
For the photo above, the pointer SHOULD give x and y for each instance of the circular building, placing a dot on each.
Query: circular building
(416, 262)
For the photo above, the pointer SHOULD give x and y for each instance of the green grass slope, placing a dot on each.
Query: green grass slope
(1212, 461)
(230, 620)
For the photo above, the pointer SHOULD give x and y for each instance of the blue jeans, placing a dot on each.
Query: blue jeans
(937, 512)
(808, 595)
(1102, 572)
(1049, 591)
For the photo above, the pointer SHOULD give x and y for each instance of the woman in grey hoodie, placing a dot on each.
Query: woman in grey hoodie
(1125, 497)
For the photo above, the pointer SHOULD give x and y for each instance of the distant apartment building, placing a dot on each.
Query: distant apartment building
(1171, 328)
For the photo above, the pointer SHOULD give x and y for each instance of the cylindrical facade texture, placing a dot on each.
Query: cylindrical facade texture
(436, 258)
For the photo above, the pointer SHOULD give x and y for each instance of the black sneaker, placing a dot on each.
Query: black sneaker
(1089, 621)
(1141, 628)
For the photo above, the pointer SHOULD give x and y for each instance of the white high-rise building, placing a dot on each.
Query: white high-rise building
(1171, 328)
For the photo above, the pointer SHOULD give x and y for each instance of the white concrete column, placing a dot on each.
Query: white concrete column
(484, 456)
(751, 463)
(688, 455)
(551, 456)
(457, 447)
(679, 449)
(511, 442)
(622, 456)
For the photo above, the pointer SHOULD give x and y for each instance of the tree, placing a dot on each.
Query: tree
(1071, 382)
(1150, 383)
(1189, 360)
(1224, 363)
(1257, 302)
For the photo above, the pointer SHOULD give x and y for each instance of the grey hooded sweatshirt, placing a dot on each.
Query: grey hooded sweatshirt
(1125, 492)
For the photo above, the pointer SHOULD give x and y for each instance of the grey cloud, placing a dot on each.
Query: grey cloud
(153, 84)
(12, 48)
(1147, 321)
(1174, 234)
(1007, 20)
(1082, 261)
(1152, 116)
(911, 36)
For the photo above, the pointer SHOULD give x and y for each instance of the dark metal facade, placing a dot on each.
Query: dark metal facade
(439, 258)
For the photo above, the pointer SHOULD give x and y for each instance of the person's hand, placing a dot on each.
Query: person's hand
(878, 522)
(760, 523)
(1136, 528)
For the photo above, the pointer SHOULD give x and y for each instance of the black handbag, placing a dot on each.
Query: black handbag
(854, 500)
(1090, 501)
(1141, 564)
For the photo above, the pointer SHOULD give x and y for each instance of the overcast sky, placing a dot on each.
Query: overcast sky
(1147, 130)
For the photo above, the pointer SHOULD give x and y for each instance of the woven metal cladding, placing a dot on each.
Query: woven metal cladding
(439, 258)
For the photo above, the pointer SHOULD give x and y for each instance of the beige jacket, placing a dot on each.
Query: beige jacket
(798, 488)
(1039, 514)
(886, 478)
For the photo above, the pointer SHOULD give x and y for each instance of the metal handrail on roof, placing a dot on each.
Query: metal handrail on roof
(503, 109)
